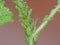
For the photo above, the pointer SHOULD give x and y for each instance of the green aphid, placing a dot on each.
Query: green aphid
(28, 31)
(23, 25)
(45, 18)
(30, 12)
(35, 38)
(28, 20)
(19, 4)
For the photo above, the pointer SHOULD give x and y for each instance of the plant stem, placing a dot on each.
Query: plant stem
(30, 41)
(49, 18)
(43, 25)
(28, 24)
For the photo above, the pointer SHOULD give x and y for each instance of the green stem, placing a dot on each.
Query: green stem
(49, 18)
(30, 41)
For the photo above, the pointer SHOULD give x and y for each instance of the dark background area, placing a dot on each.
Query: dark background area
(13, 33)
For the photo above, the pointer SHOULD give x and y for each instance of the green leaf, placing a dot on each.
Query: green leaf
(5, 14)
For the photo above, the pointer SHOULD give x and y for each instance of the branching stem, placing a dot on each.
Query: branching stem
(49, 18)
